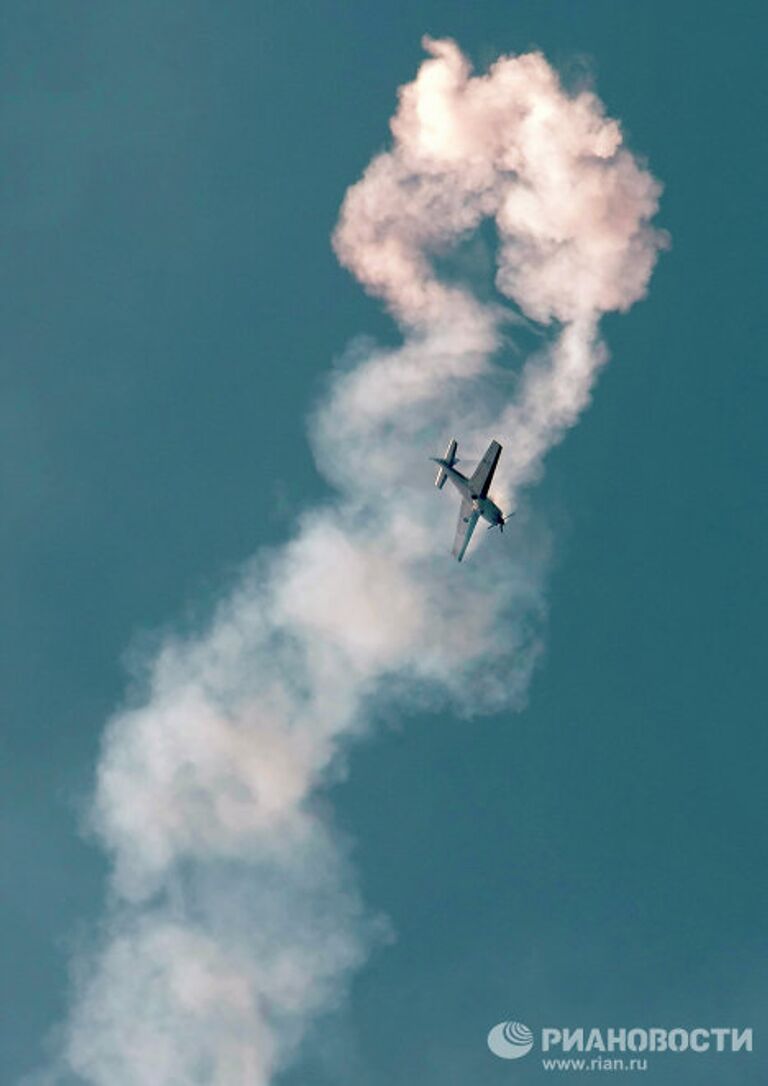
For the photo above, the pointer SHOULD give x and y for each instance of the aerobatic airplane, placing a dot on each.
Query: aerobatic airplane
(475, 502)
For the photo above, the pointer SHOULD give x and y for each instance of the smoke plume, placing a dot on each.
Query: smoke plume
(233, 917)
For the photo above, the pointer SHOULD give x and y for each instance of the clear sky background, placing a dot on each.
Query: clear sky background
(169, 178)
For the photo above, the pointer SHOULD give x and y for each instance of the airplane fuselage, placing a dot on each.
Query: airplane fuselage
(486, 507)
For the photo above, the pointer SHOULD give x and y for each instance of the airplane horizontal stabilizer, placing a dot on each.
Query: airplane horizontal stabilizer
(450, 459)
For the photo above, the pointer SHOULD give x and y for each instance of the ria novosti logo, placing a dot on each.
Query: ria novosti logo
(510, 1040)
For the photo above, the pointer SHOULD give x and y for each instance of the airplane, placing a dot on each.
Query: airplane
(475, 502)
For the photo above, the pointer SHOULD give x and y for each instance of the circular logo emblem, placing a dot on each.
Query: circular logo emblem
(510, 1040)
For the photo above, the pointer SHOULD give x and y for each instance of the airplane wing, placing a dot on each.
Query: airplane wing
(468, 518)
(481, 478)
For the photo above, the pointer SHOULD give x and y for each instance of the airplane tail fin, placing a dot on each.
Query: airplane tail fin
(449, 459)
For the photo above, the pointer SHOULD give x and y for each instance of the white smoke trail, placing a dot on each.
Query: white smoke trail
(233, 916)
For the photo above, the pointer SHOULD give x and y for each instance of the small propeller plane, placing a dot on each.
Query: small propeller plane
(475, 502)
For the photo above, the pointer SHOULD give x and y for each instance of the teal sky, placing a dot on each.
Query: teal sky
(170, 303)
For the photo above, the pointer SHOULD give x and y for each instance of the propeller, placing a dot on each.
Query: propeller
(500, 524)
